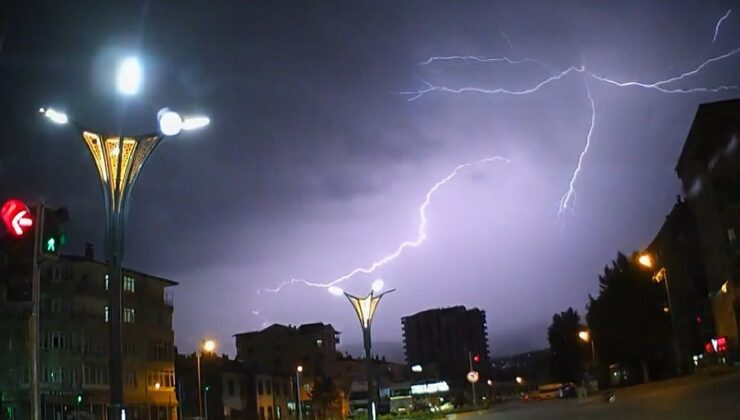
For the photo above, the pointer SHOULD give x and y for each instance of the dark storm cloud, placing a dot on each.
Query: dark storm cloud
(314, 164)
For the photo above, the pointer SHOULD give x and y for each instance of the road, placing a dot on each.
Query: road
(694, 397)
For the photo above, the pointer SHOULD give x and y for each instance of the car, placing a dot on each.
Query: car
(567, 391)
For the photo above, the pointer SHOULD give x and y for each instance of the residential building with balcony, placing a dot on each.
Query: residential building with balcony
(73, 342)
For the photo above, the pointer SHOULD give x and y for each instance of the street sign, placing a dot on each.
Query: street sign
(17, 217)
(473, 376)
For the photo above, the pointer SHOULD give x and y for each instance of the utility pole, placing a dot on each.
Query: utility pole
(33, 324)
(472, 384)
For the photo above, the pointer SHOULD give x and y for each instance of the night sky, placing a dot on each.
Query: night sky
(315, 162)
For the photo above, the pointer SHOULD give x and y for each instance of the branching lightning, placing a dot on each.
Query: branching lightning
(570, 195)
(568, 198)
(421, 235)
(719, 23)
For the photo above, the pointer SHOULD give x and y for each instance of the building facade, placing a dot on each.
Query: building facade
(709, 169)
(445, 340)
(678, 251)
(281, 348)
(73, 341)
(231, 391)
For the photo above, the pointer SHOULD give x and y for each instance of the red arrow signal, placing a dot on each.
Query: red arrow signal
(16, 216)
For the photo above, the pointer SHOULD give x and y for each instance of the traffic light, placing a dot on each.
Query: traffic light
(17, 218)
(52, 236)
(79, 398)
(476, 358)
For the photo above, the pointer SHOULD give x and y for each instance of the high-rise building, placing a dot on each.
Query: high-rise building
(446, 341)
(73, 342)
(709, 168)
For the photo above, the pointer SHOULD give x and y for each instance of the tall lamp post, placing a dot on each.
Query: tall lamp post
(119, 160)
(365, 308)
(207, 346)
(647, 261)
(298, 372)
(585, 336)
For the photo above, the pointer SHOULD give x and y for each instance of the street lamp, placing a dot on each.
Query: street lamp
(585, 335)
(646, 260)
(119, 160)
(365, 309)
(208, 346)
(298, 371)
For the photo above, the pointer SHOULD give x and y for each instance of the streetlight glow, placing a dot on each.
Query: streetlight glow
(299, 369)
(170, 122)
(194, 123)
(646, 260)
(378, 285)
(519, 379)
(336, 291)
(584, 335)
(54, 115)
(128, 77)
(209, 345)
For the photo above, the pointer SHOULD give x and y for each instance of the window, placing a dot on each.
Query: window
(129, 284)
(278, 414)
(319, 343)
(95, 374)
(165, 379)
(262, 413)
(268, 387)
(731, 235)
(107, 313)
(52, 375)
(129, 315)
(161, 351)
(231, 387)
(260, 388)
(269, 412)
(278, 388)
(106, 282)
(129, 379)
(55, 341)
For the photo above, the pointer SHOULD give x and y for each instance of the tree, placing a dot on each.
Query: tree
(627, 319)
(326, 399)
(565, 349)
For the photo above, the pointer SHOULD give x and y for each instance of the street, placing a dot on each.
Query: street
(684, 398)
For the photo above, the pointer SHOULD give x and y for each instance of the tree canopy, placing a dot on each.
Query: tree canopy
(565, 348)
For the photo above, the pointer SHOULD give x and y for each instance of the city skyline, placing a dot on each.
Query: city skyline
(315, 162)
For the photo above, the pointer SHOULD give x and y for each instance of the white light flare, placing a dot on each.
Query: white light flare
(569, 196)
(129, 76)
(170, 122)
(194, 123)
(378, 285)
(421, 236)
(336, 290)
(54, 115)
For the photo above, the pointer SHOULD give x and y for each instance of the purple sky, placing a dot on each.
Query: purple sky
(315, 163)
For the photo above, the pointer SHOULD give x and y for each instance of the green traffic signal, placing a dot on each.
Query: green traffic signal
(79, 398)
(51, 245)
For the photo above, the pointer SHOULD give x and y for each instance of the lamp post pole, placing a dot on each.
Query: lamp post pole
(365, 309)
(298, 391)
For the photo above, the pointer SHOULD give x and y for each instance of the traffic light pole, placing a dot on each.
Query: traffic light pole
(472, 384)
(33, 324)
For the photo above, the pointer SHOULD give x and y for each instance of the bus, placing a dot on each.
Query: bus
(549, 391)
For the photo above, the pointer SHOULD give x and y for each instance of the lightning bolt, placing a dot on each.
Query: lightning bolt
(421, 234)
(506, 60)
(719, 23)
(265, 321)
(508, 41)
(569, 195)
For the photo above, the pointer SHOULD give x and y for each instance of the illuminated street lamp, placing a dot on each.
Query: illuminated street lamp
(646, 260)
(119, 160)
(208, 346)
(585, 336)
(519, 380)
(365, 309)
(298, 371)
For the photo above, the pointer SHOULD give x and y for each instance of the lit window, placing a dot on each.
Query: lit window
(129, 315)
(129, 284)
(731, 235)
(107, 314)
(319, 343)
(106, 282)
